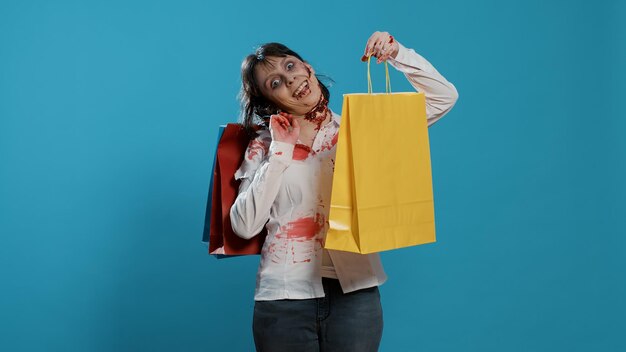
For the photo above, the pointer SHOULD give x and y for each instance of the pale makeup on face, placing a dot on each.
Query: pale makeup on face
(289, 83)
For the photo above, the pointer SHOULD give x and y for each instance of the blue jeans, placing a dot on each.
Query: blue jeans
(337, 322)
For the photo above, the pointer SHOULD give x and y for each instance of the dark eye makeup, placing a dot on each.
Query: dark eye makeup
(288, 66)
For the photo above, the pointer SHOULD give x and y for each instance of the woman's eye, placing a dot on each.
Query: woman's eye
(275, 83)
(290, 66)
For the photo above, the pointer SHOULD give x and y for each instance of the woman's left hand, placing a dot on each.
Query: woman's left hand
(382, 46)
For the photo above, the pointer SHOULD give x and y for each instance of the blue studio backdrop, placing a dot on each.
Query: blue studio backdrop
(108, 116)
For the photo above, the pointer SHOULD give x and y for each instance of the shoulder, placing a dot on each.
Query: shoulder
(256, 152)
(263, 139)
(263, 135)
(336, 117)
(259, 146)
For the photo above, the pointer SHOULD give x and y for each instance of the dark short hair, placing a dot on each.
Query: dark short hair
(255, 108)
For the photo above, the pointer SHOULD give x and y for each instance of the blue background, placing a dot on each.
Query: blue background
(108, 117)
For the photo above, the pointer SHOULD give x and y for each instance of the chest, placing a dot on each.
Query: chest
(307, 182)
(307, 137)
(317, 140)
(314, 159)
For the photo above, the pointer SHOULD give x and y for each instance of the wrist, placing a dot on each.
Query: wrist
(281, 150)
(394, 53)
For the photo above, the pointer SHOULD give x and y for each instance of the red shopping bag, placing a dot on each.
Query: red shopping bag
(223, 242)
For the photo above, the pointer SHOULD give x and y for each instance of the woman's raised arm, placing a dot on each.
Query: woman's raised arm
(440, 94)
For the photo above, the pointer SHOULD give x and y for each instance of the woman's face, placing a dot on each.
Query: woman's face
(288, 83)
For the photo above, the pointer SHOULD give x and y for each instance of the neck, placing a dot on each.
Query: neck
(319, 113)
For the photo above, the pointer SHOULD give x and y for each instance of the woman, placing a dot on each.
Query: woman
(308, 298)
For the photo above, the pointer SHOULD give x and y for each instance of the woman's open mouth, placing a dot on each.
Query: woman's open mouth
(302, 91)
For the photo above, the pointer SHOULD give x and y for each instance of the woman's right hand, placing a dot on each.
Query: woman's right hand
(284, 128)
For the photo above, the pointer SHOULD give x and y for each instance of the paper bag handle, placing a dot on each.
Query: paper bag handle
(369, 78)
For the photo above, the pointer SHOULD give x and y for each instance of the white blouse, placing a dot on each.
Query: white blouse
(287, 189)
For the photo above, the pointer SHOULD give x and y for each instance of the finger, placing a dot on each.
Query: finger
(285, 121)
(390, 47)
(285, 114)
(385, 51)
(370, 46)
(373, 49)
(277, 124)
(381, 39)
(288, 124)
(393, 49)
(387, 55)
(379, 51)
(370, 43)
(381, 55)
(294, 122)
(368, 52)
(386, 38)
(273, 123)
(296, 126)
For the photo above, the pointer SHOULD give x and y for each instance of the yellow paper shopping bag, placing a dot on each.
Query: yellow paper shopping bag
(382, 195)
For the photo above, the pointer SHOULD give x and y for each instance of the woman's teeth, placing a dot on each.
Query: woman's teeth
(302, 91)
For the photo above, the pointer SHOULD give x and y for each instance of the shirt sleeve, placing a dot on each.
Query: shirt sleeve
(261, 175)
(440, 94)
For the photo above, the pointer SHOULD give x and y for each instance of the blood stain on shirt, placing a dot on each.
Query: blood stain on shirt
(329, 145)
(254, 148)
(302, 256)
(303, 228)
(301, 151)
